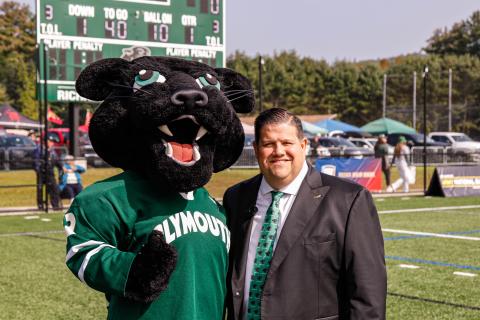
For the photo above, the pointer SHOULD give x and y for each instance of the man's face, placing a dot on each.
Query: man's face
(280, 153)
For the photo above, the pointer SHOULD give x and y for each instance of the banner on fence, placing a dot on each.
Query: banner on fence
(455, 181)
(366, 172)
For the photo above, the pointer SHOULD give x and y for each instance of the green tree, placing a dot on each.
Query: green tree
(17, 47)
(4, 98)
(17, 30)
(462, 38)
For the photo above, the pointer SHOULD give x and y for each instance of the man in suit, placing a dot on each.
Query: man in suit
(304, 245)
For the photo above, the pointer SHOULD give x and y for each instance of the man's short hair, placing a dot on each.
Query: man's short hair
(277, 116)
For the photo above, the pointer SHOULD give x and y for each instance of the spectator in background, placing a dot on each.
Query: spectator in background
(315, 143)
(381, 151)
(70, 180)
(32, 135)
(46, 175)
(401, 157)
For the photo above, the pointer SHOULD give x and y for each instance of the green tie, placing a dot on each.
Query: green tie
(263, 256)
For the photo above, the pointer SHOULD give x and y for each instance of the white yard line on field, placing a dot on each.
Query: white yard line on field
(408, 266)
(464, 274)
(31, 217)
(437, 235)
(19, 234)
(429, 209)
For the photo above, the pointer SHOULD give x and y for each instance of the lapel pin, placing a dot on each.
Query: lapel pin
(317, 196)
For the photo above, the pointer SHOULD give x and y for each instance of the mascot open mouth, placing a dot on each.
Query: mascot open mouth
(181, 136)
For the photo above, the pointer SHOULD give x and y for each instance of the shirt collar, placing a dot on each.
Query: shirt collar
(292, 188)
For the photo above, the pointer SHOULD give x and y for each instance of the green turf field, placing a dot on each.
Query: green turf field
(35, 283)
(432, 291)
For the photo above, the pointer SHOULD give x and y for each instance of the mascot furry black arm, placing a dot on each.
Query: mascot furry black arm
(151, 237)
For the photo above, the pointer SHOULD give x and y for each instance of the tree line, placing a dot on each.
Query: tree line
(352, 90)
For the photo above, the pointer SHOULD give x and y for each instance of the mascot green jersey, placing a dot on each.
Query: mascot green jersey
(151, 238)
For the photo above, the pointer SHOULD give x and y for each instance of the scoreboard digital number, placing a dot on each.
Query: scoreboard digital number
(75, 33)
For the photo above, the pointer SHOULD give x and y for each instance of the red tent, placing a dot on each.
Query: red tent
(53, 117)
(84, 127)
(11, 118)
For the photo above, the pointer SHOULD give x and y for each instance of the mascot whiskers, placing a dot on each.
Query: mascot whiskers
(151, 238)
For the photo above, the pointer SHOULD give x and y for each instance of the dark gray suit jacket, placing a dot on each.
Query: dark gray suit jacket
(329, 260)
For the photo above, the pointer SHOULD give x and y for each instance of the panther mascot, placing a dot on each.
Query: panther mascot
(151, 238)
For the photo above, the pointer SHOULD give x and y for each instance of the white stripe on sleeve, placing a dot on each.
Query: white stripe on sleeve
(73, 250)
(81, 271)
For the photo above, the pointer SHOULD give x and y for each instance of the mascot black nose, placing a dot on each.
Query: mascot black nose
(190, 97)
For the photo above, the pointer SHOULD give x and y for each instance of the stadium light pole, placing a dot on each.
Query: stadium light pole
(261, 62)
(425, 80)
(384, 112)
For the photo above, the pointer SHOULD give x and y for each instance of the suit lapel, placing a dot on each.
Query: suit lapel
(309, 197)
(247, 212)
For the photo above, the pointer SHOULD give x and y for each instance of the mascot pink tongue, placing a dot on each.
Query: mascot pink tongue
(182, 152)
(152, 238)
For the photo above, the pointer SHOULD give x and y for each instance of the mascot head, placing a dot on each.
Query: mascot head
(173, 121)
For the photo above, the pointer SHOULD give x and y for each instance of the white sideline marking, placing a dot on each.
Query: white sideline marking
(429, 209)
(380, 199)
(20, 234)
(46, 219)
(464, 274)
(31, 217)
(405, 198)
(437, 235)
(408, 266)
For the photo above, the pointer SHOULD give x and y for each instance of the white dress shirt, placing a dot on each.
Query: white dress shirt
(264, 199)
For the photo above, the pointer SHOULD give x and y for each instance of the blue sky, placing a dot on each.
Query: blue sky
(338, 29)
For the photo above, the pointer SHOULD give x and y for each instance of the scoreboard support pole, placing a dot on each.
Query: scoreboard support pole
(41, 132)
(73, 117)
(45, 121)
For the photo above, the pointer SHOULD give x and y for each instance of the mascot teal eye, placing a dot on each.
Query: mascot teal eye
(208, 80)
(146, 77)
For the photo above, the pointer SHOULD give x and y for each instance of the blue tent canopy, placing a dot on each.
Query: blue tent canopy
(312, 129)
(332, 125)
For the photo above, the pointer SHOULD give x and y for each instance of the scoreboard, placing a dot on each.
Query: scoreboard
(74, 33)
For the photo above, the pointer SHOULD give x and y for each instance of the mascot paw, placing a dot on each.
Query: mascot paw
(151, 269)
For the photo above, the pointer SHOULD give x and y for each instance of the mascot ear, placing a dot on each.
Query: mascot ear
(98, 80)
(241, 92)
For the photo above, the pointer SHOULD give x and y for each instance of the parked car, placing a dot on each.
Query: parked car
(86, 151)
(413, 140)
(61, 136)
(456, 140)
(17, 150)
(369, 143)
(316, 152)
(340, 147)
(461, 146)
(363, 143)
